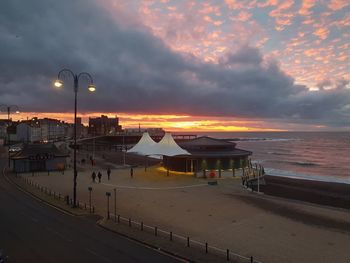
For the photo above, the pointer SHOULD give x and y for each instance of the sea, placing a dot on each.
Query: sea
(321, 156)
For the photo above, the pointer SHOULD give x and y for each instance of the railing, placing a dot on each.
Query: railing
(59, 196)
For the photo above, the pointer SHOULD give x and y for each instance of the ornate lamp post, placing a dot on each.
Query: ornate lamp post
(9, 109)
(91, 87)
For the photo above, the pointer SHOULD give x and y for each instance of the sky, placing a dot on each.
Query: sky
(224, 65)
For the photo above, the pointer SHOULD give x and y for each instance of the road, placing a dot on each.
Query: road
(31, 231)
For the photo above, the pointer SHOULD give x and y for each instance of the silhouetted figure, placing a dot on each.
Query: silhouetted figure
(131, 172)
(93, 177)
(99, 175)
(108, 173)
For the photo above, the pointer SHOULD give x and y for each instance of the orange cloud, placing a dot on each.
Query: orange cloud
(338, 4)
(233, 4)
(322, 32)
(244, 16)
(306, 6)
(268, 3)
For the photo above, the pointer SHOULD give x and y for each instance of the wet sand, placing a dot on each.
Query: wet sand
(323, 193)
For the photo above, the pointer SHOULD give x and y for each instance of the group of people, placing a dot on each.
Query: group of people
(99, 175)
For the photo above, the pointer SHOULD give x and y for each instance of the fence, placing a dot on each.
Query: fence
(59, 196)
(186, 241)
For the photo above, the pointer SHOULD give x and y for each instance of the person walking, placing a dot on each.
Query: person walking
(99, 175)
(131, 172)
(108, 173)
(93, 176)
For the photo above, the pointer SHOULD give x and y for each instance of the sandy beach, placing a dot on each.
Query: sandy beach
(272, 229)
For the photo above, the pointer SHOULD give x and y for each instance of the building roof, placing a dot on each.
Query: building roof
(39, 151)
(211, 147)
(206, 141)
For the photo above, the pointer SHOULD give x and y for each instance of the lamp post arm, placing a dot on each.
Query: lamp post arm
(82, 74)
(64, 71)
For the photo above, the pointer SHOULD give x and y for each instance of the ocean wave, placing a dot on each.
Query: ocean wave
(260, 139)
(285, 154)
(314, 177)
(299, 163)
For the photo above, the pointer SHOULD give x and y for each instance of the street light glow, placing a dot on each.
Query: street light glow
(92, 87)
(17, 111)
(58, 83)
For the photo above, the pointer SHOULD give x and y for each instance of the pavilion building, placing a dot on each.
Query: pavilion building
(207, 154)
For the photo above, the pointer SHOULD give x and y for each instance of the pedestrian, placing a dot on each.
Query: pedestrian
(131, 172)
(109, 173)
(99, 175)
(93, 176)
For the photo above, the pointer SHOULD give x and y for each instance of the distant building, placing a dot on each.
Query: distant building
(40, 130)
(3, 129)
(28, 132)
(38, 157)
(139, 131)
(104, 125)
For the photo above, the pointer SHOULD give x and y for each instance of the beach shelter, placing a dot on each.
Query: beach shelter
(145, 146)
(168, 147)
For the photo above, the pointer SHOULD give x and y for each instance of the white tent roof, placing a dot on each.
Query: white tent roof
(145, 146)
(167, 146)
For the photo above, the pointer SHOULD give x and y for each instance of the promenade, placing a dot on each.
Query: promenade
(225, 215)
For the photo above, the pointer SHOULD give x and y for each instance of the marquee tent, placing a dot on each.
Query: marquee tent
(167, 146)
(145, 146)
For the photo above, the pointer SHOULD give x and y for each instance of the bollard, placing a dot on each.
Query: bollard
(115, 204)
(67, 199)
(141, 226)
(59, 196)
(227, 254)
(118, 218)
(206, 247)
(85, 206)
(251, 259)
(129, 222)
(108, 194)
(90, 189)
(188, 242)
(155, 231)
(171, 236)
(93, 209)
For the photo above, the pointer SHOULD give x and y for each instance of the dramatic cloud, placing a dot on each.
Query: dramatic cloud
(136, 71)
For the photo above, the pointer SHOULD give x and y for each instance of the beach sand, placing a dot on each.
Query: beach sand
(272, 229)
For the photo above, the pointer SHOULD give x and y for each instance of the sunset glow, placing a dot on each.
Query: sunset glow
(183, 123)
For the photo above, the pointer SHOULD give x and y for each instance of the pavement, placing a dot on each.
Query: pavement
(31, 231)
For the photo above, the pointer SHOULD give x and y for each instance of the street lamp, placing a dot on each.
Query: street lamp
(91, 87)
(9, 109)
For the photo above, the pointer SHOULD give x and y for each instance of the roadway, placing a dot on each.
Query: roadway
(31, 231)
